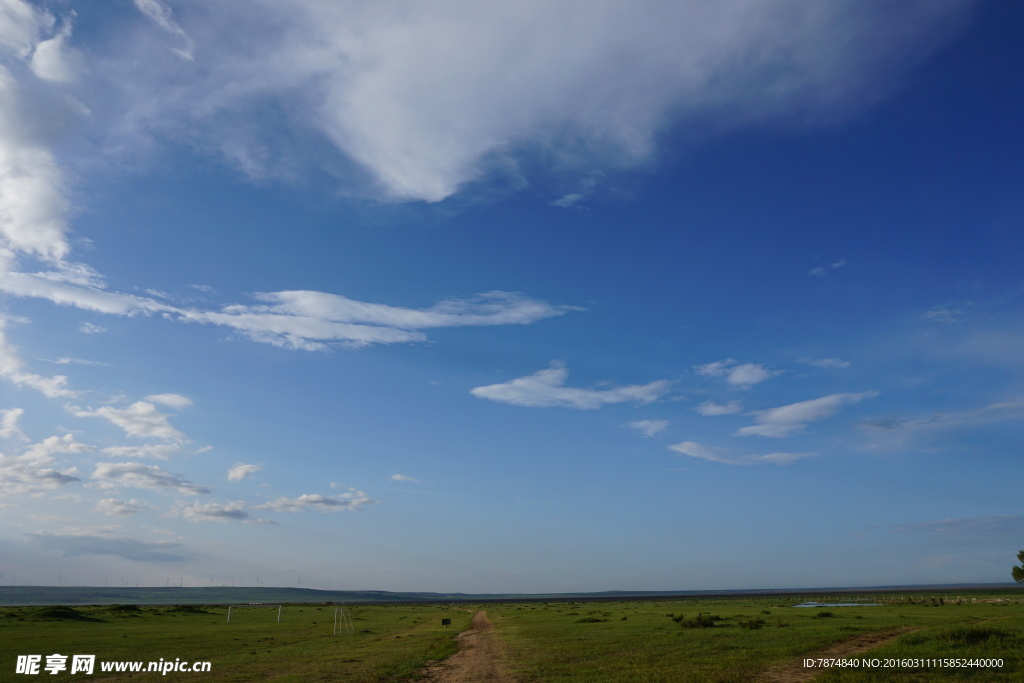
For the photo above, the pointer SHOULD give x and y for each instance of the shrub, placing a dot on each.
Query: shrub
(590, 620)
(702, 620)
(61, 612)
(753, 623)
(824, 615)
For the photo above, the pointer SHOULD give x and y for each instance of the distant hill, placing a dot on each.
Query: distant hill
(94, 595)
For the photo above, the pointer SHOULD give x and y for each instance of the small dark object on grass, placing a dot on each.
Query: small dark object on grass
(702, 620)
(824, 615)
(753, 623)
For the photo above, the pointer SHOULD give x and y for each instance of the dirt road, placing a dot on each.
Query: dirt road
(796, 672)
(478, 658)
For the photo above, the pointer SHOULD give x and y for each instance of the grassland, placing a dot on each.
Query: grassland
(389, 643)
(738, 639)
(664, 641)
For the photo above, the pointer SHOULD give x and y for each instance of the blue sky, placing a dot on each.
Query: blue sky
(550, 297)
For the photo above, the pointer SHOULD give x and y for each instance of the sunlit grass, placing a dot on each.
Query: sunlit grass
(669, 641)
(389, 643)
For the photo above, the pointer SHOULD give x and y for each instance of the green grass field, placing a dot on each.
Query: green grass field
(389, 643)
(661, 640)
(664, 640)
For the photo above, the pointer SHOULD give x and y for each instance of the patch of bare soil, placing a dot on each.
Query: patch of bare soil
(796, 672)
(477, 661)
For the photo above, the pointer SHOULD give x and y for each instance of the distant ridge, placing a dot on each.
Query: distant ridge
(158, 595)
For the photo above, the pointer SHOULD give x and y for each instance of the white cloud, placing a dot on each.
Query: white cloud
(170, 400)
(139, 419)
(241, 471)
(826, 362)
(821, 271)
(353, 500)
(648, 427)
(402, 477)
(234, 511)
(784, 420)
(943, 315)
(566, 200)
(546, 388)
(157, 451)
(9, 423)
(80, 361)
(895, 431)
(90, 328)
(711, 408)
(302, 320)
(489, 308)
(52, 59)
(739, 375)
(12, 369)
(748, 374)
(410, 92)
(137, 475)
(120, 508)
(162, 16)
(426, 98)
(721, 455)
(33, 470)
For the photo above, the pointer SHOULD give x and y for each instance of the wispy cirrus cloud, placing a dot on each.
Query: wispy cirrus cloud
(785, 420)
(157, 451)
(821, 271)
(837, 363)
(546, 389)
(895, 431)
(304, 320)
(710, 408)
(162, 15)
(353, 500)
(648, 427)
(722, 455)
(12, 368)
(403, 477)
